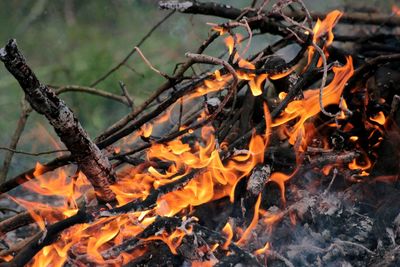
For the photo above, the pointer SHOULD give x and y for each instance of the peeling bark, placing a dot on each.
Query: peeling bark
(88, 156)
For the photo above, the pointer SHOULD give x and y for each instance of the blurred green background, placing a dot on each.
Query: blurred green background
(75, 42)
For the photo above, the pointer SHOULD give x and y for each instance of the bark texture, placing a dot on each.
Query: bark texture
(87, 155)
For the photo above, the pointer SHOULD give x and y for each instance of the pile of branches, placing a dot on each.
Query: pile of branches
(310, 177)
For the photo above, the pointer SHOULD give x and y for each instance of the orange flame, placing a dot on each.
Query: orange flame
(230, 43)
(326, 26)
(310, 106)
(172, 240)
(280, 179)
(227, 230)
(323, 28)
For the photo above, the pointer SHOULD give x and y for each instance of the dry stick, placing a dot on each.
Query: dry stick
(262, 6)
(88, 156)
(4, 209)
(307, 18)
(365, 37)
(120, 64)
(323, 82)
(126, 94)
(90, 90)
(254, 3)
(148, 63)
(32, 153)
(26, 110)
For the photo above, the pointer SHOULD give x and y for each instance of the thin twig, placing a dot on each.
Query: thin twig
(126, 94)
(335, 172)
(90, 90)
(32, 153)
(254, 3)
(262, 6)
(26, 110)
(149, 64)
(112, 70)
(323, 82)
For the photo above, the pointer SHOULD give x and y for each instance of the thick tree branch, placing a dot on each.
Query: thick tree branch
(230, 12)
(88, 156)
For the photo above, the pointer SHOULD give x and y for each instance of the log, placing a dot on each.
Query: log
(88, 156)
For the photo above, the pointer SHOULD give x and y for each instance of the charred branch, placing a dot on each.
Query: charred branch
(230, 12)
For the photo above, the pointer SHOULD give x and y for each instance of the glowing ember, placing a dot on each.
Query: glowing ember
(379, 118)
(263, 249)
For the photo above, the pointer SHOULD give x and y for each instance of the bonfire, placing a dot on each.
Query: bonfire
(264, 159)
